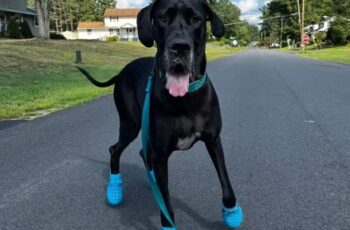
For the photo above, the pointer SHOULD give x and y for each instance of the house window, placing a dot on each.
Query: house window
(36, 23)
(113, 19)
(89, 32)
(321, 25)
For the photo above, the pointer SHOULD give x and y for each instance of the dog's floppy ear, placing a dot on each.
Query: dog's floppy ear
(217, 26)
(144, 26)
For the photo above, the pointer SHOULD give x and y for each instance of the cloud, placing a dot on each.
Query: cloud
(132, 3)
(250, 9)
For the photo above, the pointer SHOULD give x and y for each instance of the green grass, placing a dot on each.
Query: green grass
(38, 77)
(340, 54)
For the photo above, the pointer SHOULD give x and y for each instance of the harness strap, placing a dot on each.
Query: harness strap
(145, 147)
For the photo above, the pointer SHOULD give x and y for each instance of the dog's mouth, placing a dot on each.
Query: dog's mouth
(178, 75)
(177, 84)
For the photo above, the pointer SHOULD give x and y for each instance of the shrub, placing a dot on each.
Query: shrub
(14, 29)
(56, 36)
(25, 30)
(339, 31)
(113, 39)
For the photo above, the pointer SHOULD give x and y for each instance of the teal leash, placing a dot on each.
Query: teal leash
(194, 86)
(145, 138)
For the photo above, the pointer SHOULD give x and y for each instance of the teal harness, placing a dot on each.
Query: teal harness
(194, 86)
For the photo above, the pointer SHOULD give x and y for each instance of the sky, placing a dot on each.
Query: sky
(249, 8)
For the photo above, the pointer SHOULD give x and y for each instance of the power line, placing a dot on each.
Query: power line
(262, 19)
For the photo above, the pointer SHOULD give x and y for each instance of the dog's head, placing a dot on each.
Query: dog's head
(178, 27)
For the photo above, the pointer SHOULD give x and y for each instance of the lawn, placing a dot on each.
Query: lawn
(39, 77)
(340, 54)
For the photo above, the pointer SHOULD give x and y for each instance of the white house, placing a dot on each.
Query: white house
(320, 27)
(117, 22)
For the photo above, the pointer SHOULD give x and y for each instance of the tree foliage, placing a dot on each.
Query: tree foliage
(237, 28)
(339, 32)
(314, 13)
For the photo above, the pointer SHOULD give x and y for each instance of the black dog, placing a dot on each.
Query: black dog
(178, 118)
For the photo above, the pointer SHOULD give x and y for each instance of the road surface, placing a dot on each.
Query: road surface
(286, 137)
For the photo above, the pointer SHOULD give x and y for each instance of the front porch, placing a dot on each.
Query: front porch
(128, 32)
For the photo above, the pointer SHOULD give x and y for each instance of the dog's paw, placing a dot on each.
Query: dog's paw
(114, 191)
(168, 228)
(233, 217)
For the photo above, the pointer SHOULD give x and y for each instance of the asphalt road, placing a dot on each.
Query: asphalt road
(286, 136)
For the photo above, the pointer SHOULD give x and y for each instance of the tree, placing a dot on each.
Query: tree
(31, 3)
(339, 32)
(229, 13)
(43, 8)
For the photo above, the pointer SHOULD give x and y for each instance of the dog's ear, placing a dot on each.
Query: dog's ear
(144, 26)
(217, 26)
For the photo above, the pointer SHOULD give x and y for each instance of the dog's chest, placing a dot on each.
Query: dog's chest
(187, 142)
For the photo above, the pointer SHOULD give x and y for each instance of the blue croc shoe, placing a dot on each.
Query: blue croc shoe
(168, 228)
(233, 217)
(114, 192)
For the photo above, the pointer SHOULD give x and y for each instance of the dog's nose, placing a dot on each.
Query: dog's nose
(179, 45)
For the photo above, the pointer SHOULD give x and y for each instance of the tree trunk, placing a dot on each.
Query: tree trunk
(43, 12)
(47, 17)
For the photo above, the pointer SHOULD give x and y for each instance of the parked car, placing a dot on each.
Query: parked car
(274, 45)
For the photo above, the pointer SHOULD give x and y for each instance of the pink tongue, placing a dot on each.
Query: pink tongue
(177, 84)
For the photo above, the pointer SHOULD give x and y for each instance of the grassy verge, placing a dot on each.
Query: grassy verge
(38, 77)
(339, 54)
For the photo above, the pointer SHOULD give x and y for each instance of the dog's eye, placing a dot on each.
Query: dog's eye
(163, 19)
(195, 20)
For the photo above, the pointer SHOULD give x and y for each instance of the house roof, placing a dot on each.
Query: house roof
(127, 12)
(91, 25)
(26, 11)
(127, 26)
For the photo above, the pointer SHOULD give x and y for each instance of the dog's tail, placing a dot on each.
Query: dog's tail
(97, 83)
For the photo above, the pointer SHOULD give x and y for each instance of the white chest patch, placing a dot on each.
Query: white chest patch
(186, 143)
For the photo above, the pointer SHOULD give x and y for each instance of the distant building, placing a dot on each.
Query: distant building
(17, 10)
(117, 22)
(319, 27)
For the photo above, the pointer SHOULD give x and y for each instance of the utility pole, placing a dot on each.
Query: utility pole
(282, 18)
(302, 23)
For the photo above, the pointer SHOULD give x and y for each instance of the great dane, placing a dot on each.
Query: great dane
(178, 118)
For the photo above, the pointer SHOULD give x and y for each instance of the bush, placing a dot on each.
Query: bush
(113, 39)
(56, 36)
(14, 29)
(339, 31)
(25, 30)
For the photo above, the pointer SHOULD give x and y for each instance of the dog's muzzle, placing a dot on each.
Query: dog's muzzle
(178, 65)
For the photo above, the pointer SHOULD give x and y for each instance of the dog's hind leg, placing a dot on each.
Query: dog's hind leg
(232, 213)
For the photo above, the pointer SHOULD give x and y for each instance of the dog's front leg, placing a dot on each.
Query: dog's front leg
(217, 156)
(160, 166)
(232, 213)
